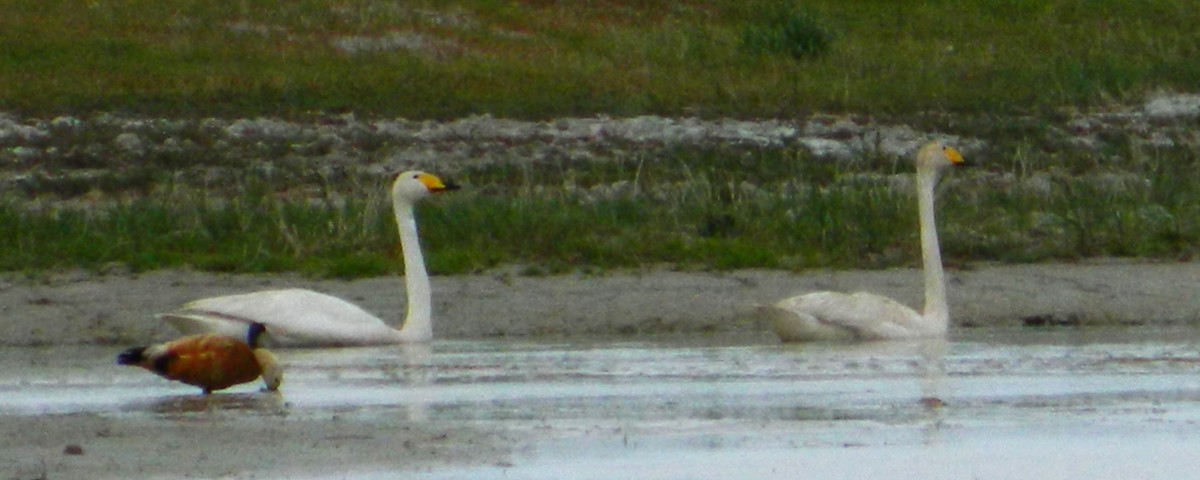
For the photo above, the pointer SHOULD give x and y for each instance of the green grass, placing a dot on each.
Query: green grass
(758, 209)
(543, 59)
(1005, 71)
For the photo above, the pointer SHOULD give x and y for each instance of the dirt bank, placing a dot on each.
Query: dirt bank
(90, 309)
(224, 441)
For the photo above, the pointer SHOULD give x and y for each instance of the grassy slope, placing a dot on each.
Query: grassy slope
(708, 209)
(542, 59)
(711, 209)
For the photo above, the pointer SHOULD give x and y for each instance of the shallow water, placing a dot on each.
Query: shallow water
(1029, 403)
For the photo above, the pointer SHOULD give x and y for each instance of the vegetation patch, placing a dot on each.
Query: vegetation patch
(695, 208)
(525, 59)
(261, 137)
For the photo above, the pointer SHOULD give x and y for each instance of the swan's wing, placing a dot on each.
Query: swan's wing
(194, 323)
(796, 326)
(865, 314)
(294, 317)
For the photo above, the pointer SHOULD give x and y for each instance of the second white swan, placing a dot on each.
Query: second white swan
(304, 318)
(867, 316)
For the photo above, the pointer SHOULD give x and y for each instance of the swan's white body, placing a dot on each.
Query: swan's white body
(304, 318)
(867, 316)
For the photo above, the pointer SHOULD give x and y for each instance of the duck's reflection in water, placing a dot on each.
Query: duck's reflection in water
(263, 403)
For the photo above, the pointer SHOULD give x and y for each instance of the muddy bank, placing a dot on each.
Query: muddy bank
(119, 308)
(219, 439)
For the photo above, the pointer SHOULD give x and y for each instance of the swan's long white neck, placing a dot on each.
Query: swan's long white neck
(418, 326)
(937, 311)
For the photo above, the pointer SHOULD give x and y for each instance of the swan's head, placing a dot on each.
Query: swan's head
(414, 185)
(936, 155)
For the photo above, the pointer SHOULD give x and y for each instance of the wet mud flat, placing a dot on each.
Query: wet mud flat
(1105, 402)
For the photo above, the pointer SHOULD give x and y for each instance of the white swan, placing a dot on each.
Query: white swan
(304, 318)
(866, 316)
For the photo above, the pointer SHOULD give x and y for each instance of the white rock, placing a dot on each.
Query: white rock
(129, 142)
(1165, 107)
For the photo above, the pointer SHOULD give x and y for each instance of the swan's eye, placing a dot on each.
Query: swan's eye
(416, 177)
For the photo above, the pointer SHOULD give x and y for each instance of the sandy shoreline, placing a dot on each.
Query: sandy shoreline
(120, 308)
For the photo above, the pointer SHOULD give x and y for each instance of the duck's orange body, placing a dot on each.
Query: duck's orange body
(209, 361)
